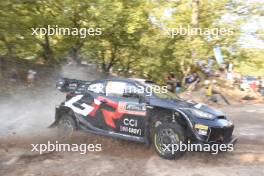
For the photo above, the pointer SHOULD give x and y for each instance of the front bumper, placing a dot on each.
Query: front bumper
(220, 135)
(219, 131)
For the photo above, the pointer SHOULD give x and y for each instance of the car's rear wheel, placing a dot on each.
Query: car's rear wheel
(66, 126)
(167, 138)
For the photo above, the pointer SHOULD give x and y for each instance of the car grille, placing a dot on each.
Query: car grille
(221, 117)
(221, 135)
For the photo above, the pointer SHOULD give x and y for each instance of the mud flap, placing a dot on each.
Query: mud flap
(57, 115)
(54, 124)
(233, 140)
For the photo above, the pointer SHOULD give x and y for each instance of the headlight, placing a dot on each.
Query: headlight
(201, 114)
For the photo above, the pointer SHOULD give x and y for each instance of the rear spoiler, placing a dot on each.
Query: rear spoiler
(75, 86)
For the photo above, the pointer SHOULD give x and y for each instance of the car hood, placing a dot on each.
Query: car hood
(181, 104)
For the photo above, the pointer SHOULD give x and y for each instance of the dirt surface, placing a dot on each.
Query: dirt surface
(26, 114)
(25, 117)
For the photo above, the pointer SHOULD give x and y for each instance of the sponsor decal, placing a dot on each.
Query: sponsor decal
(121, 108)
(130, 122)
(130, 126)
(132, 108)
(130, 130)
(200, 126)
(201, 129)
(84, 109)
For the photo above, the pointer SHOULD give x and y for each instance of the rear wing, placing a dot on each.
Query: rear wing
(73, 86)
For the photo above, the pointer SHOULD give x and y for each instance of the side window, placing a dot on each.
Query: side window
(115, 88)
(96, 88)
(132, 89)
(122, 89)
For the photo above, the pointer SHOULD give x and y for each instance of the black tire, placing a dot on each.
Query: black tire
(168, 134)
(66, 126)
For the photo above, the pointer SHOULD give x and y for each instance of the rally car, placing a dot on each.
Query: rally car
(139, 110)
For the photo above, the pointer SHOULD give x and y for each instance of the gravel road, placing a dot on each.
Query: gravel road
(20, 127)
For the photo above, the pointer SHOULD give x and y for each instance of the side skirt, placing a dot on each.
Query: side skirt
(87, 127)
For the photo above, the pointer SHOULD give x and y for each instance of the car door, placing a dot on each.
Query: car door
(122, 111)
(86, 106)
(92, 97)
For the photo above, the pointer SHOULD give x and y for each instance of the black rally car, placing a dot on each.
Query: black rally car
(138, 110)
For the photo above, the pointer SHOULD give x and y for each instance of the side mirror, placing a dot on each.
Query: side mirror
(142, 98)
(131, 95)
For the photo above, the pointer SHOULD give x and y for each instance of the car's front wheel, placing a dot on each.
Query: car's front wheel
(167, 139)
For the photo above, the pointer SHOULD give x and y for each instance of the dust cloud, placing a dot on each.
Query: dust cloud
(28, 112)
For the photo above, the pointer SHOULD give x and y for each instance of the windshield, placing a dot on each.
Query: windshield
(161, 91)
(152, 89)
(166, 95)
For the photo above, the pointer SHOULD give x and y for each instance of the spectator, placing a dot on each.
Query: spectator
(31, 78)
(171, 82)
(189, 79)
(262, 86)
(229, 69)
(14, 75)
(192, 79)
(178, 86)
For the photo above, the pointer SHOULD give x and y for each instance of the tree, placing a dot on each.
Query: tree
(137, 37)
(123, 23)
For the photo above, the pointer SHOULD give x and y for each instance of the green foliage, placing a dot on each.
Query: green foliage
(133, 39)
(250, 62)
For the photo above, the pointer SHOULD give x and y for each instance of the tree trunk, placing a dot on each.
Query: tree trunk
(127, 68)
(194, 24)
(186, 67)
(107, 66)
(8, 46)
(185, 71)
(75, 53)
(76, 48)
(1, 68)
(47, 50)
